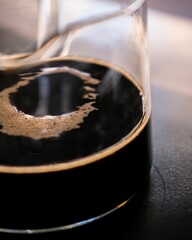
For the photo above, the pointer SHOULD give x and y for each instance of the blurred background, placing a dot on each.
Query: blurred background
(170, 36)
(178, 7)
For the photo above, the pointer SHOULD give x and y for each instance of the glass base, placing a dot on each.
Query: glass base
(65, 227)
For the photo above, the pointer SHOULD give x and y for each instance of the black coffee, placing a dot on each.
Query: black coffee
(60, 112)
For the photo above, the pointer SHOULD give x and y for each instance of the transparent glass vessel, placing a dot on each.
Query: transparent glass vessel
(75, 109)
